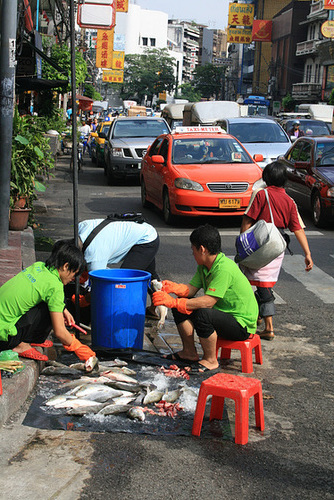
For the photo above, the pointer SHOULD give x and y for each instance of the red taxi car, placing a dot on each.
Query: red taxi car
(196, 171)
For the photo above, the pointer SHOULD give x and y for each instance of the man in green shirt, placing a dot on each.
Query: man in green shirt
(32, 302)
(227, 309)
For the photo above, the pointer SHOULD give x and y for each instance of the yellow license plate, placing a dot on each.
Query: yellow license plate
(230, 203)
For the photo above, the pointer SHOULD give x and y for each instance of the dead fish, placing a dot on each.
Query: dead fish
(98, 392)
(91, 363)
(121, 377)
(119, 369)
(51, 362)
(153, 397)
(136, 413)
(124, 400)
(78, 366)
(123, 386)
(84, 410)
(76, 403)
(85, 380)
(115, 362)
(114, 409)
(58, 399)
(171, 396)
(161, 310)
(59, 371)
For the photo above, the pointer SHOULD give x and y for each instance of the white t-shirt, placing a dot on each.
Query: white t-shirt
(85, 129)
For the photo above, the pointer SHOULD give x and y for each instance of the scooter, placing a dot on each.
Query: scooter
(80, 148)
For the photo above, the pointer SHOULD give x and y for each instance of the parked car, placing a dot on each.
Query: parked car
(310, 168)
(259, 136)
(307, 126)
(97, 141)
(198, 171)
(128, 140)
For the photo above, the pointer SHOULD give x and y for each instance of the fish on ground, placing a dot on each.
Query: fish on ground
(59, 371)
(114, 409)
(124, 400)
(60, 398)
(153, 396)
(86, 380)
(124, 386)
(136, 413)
(85, 410)
(121, 377)
(115, 362)
(76, 403)
(171, 396)
(118, 369)
(98, 392)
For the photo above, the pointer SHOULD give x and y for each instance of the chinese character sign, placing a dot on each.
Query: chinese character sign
(118, 60)
(235, 35)
(112, 76)
(241, 14)
(122, 5)
(329, 4)
(104, 48)
(261, 31)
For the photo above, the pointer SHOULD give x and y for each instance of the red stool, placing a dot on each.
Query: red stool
(245, 347)
(222, 386)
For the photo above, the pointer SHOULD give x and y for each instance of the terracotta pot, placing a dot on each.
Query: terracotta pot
(18, 219)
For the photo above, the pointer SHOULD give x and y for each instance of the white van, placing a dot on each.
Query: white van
(209, 112)
(322, 112)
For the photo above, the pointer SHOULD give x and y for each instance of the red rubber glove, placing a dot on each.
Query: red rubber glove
(178, 288)
(163, 299)
(82, 351)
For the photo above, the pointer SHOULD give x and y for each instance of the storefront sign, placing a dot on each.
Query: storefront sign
(97, 14)
(122, 5)
(261, 31)
(118, 60)
(235, 35)
(104, 48)
(327, 29)
(112, 76)
(240, 14)
(329, 4)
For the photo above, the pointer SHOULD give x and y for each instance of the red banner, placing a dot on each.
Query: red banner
(261, 31)
(329, 4)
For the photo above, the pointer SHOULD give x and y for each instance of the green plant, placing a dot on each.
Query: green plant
(288, 103)
(31, 157)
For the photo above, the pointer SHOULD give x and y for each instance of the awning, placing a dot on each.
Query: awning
(32, 83)
(84, 103)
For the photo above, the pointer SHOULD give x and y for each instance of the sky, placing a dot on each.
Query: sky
(213, 13)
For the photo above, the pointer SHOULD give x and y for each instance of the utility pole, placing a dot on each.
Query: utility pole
(8, 15)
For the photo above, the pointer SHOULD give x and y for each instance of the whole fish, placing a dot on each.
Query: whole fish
(91, 363)
(136, 413)
(124, 386)
(118, 369)
(97, 392)
(76, 403)
(84, 410)
(121, 377)
(115, 362)
(152, 397)
(171, 396)
(58, 399)
(51, 362)
(161, 310)
(86, 380)
(124, 400)
(114, 409)
(59, 371)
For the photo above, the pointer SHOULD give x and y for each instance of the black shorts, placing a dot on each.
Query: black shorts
(208, 320)
(143, 257)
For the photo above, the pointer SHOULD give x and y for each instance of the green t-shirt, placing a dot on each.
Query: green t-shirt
(226, 281)
(27, 289)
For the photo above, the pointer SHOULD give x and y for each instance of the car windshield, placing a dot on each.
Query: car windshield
(325, 154)
(139, 128)
(105, 129)
(252, 132)
(311, 127)
(208, 150)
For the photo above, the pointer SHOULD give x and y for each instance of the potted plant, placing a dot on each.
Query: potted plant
(31, 157)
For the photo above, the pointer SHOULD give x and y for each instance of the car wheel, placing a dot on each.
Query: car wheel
(318, 215)
(168, 216)
(144, 201)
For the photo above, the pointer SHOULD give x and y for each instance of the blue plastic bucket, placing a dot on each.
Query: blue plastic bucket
(118, 303)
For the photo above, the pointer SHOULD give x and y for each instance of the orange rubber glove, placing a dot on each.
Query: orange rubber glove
(163, 299)
(83, 302)
(178, 288)
(82, 351)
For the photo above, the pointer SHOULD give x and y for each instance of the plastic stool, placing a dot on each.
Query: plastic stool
(245, 347)
(222, 386)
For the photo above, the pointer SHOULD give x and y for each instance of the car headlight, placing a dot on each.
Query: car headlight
(188, 184)
(259, 184)
(330, 192)
(117, 151)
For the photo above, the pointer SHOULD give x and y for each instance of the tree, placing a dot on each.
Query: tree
(89, 91)
(288, 103)
(188, 92)
(148, 74)
(209, 80)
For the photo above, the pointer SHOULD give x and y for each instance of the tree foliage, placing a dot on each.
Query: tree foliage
(209, 80)
(61, 55)
(148, 74)
(189, 92)
(89, 91)
(288, 103)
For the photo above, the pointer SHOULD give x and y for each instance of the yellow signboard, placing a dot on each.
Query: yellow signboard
(104, 48)
(118, 60)
(327, 29)
(235, 35)
(241, 14)
(122, 5)
(112, 76)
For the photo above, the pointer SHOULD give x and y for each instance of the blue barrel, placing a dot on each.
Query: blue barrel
(118, 304)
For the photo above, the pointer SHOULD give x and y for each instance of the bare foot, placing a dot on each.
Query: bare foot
(23, 346)
(207, 364)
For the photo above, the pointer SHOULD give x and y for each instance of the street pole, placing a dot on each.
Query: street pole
(74, 152)
(8, 14)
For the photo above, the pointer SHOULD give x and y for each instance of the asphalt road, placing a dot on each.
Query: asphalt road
(293, 458)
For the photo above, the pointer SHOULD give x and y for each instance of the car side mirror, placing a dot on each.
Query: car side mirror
(302, 164)
(158, 159)
(102, 135)
(257, 158)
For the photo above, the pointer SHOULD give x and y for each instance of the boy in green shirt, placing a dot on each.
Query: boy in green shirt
(227, 309)
(32, 302)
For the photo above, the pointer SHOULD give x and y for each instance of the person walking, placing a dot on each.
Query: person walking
(285, 215)
(228, 308)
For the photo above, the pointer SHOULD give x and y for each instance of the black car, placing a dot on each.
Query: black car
(308, 126)
(310, 168)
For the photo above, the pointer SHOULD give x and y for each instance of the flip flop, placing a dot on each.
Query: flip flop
(174, 356)
(33, 354)
(199, 369)
(46, 343)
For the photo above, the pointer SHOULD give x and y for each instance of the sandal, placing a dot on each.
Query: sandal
(174, 356)
(33, 354)
(46, 343)
(199, 369)
(266, 335)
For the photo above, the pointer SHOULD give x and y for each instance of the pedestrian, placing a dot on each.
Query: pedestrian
(132, 243)
(285, 215)
(32, 303)
(93, 126)
(228, 308)
(295, 130)
(85, 132)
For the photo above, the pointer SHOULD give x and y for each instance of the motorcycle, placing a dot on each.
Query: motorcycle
(80, 150)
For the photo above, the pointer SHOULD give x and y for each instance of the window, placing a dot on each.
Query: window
(164, 150)
(145, 41)
(305, 154)
(308, 73)
(294, 155)
(155, 147)
(152, 42)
